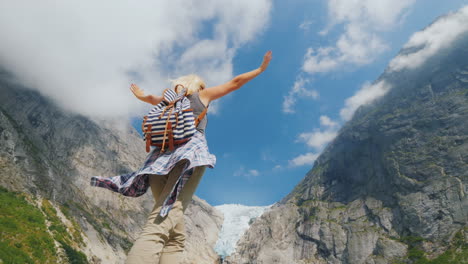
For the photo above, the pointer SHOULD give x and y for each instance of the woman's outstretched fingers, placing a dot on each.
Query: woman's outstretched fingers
(136, 90)
(266, 60)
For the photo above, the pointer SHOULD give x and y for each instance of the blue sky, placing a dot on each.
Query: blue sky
(326, 54)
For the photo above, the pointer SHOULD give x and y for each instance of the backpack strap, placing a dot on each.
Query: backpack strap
(201, 116)
(168, 128)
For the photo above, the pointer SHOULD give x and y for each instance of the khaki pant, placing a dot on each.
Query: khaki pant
(162, 239)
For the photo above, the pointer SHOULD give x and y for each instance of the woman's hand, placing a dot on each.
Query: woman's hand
(139, 93)
(266, 60)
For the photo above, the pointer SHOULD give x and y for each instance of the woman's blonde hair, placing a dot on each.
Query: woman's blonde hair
(192, 82)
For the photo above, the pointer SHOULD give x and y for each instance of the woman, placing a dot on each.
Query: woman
(173, 176)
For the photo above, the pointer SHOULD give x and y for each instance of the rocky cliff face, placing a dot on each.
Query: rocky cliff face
(203, 223)
(391, 187)
(50, 154)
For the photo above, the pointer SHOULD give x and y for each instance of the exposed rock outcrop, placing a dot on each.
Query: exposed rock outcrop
(203, 223)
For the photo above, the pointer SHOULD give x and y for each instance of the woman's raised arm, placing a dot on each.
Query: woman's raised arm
(140, 94)
(215, 92)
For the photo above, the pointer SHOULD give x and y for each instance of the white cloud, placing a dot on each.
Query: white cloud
(326, 121)
(367, 94)
(277, 167)
(298, 90)
(429, 41)
(305, 25)
(378, 14)
(85, 54)
(304, 159)
(253, 172)
(317, 139)
(320, 60)
(359, 44)
(355, 46)
(242, 172)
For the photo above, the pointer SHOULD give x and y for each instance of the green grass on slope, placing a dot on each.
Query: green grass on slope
(61, 234)
(25, 237)
(457, 253)
(23, 231)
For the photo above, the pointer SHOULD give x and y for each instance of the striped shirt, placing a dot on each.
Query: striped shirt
(137, 183)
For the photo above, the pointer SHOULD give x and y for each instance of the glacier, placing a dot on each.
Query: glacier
(237, 219)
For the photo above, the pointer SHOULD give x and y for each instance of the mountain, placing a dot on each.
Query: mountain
(49, 212)
(391, 187)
